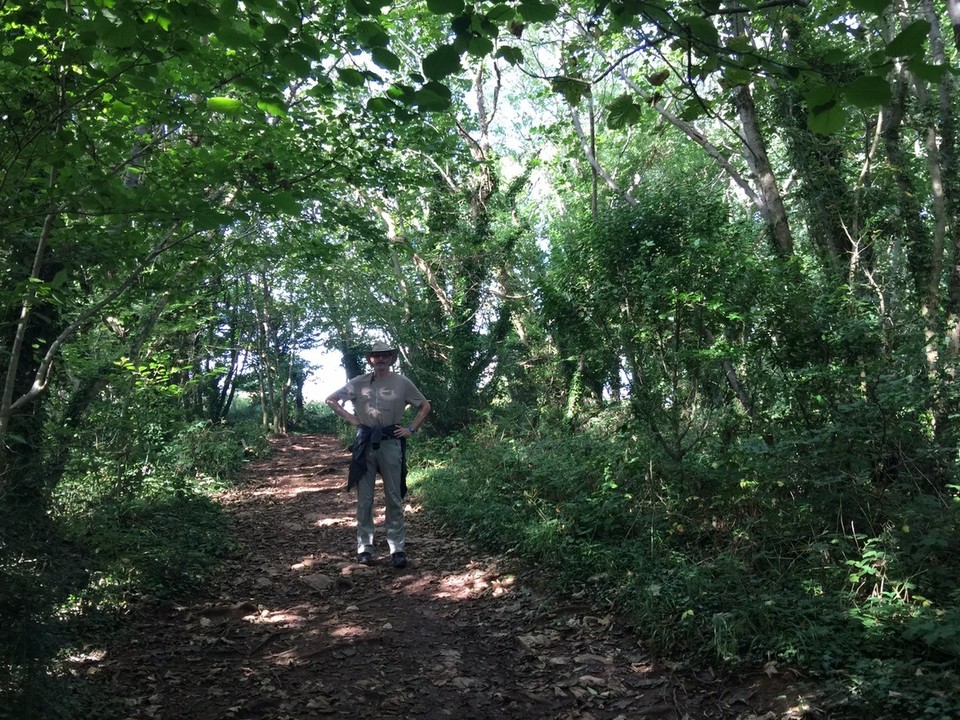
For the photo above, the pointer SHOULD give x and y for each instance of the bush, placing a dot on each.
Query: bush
(317, 418)
(735, 555)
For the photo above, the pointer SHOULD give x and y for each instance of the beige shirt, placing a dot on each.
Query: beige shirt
(380, 401)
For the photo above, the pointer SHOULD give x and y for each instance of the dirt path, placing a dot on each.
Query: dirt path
(298, 630)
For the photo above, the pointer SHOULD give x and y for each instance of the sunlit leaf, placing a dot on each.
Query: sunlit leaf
(228, 105)
(272, 108)
(403, 93)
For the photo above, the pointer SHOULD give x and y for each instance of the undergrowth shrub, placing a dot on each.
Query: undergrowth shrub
(317, 417)
(163, 535)
(743, 553)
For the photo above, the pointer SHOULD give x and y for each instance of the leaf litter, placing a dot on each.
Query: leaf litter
(293, 628)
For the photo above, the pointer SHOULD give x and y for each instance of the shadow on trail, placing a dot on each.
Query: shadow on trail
(294, 628)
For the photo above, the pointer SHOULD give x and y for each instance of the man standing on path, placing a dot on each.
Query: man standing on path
(379, 399)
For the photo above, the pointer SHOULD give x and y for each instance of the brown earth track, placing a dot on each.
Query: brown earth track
(294, 629)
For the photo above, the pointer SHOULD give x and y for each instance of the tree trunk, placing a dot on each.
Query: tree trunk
(755, 152)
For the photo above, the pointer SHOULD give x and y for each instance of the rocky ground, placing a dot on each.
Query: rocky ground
(295, 629)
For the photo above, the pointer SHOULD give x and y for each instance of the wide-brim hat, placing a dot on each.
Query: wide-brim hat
(379, 347)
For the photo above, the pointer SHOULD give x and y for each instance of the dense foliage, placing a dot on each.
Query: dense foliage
(681, 280)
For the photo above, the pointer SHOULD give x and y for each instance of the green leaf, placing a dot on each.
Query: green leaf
(512, 55)
(433, 97)
(309, 48)
(276, 33)
(926, 71)
(445, 7)
(821, 97)
(868, 91)
(462, 24)
(208, 218)
(878, 7)
(286, 202)
(115, 34)
(233, 38)
(740, 44)
(358, 7)
(909, 41)
(480, 46)
(703, 31)
(486, 27)
(572, 89)
(351, 77)
(623, 112)
(201, 19)
(835, 56)
(371, 35)
(59, 279)
(443, 61)
(735, 77)
(534, 11)
(323, 89)
(403, 93)
(228, 105)
(385, 59)
(295, 63)
(275, 108)
(658, 16)
(501, 14)
(828, 118)
(380, 104)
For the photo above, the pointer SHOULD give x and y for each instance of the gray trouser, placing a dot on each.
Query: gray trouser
(386, 461)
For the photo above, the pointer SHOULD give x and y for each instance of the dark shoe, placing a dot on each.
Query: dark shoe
(399, 560)
(365, 558)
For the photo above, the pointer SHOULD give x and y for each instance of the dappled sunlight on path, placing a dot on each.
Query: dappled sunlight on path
(295, 628)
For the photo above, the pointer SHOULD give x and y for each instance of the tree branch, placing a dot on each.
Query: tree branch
(585, 145)
(42, 377)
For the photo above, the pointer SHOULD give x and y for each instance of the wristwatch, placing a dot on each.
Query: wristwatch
(412, 429)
